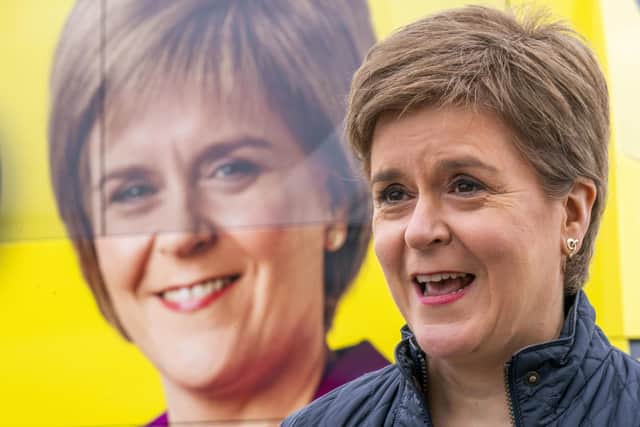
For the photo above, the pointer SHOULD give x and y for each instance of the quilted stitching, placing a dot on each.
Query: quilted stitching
(584, 382)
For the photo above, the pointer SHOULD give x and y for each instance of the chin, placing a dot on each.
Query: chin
(196, 365)
(443, 341)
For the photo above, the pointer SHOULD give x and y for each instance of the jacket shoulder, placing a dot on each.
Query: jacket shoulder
(367, 400)
(622, 393)
(628, 371)
(611, 396)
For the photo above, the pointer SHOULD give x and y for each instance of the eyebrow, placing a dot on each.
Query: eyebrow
(224, 147)
(465, 162)
(217, 150)
(131, 172)
(386, 175)
(394, 174)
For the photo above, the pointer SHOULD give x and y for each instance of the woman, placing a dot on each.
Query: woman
(485, 142)
(215, 214)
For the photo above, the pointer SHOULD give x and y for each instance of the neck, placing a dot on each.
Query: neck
(459, 392)
(288, 386)
(473, 387)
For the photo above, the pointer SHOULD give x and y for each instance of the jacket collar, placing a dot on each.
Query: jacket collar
(562, 366)
(409, 356)
(556, 362)
(570, 348)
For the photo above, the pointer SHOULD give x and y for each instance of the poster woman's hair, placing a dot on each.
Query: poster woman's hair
(114, 57)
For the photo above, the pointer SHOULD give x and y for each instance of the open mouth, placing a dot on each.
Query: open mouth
(442, 284)
(197, 295)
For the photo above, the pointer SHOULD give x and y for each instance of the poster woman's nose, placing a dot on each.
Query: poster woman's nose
(183, 244)
(191, 235)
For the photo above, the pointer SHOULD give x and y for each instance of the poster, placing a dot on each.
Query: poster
(63, 362)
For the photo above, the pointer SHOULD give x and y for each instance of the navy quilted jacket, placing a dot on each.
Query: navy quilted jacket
(576, 380)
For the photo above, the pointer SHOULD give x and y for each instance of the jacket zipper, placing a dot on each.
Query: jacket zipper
(423, 370)
(507, 390)
(424, 382)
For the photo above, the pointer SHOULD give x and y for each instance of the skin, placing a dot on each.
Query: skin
(188, 192)
(458, 197)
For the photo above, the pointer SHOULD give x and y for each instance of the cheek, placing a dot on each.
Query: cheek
(389, 247)
(122, 260)
(506, 244)
(157, 220)
(490, 239)
(292, 254)
(388, 242)
(288, 287)
(272, 201)
(258, 211)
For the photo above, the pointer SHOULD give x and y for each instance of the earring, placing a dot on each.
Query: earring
(572, 246)
(335, 239)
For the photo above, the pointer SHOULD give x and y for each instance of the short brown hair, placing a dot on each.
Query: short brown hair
(539, 77)
(301, 53)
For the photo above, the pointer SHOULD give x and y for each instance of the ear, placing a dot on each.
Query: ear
(577, 209)
(336, 230)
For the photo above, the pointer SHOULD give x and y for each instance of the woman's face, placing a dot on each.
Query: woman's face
(470, 245)
(211, 227)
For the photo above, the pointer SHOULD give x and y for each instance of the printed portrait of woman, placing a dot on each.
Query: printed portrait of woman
(215, 212)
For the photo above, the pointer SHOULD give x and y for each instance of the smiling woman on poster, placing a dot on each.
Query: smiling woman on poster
(485, 140)
(217, 217)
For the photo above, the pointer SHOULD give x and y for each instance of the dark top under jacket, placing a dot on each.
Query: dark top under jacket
(576, 380)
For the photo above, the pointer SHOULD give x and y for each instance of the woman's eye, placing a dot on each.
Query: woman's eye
(132, 193)
(391, 195)
(465, 187)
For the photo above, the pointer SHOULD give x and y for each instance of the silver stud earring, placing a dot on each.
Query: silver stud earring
(572, 246)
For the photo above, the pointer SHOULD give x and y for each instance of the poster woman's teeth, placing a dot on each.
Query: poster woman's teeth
(196, 291)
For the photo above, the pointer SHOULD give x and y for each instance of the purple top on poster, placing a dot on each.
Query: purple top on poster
(348, 364)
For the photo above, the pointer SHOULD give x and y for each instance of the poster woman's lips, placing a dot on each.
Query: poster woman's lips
(193, 297)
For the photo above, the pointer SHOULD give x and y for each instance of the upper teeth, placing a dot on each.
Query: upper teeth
(425, 278)
(197, 291)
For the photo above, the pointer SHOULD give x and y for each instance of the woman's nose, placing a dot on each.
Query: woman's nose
(426, 227)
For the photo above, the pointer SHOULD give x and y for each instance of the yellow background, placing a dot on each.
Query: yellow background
(60, 364)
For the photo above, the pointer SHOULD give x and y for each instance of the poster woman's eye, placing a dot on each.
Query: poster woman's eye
(236, 168)
(229, 171)
(132, 193)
